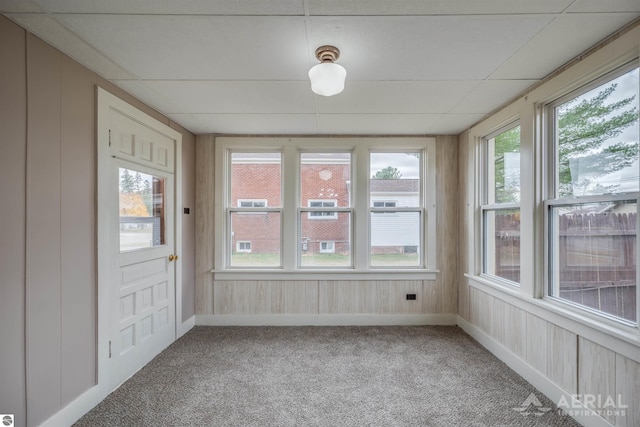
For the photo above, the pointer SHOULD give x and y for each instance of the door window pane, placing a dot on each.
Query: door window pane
(141, 210)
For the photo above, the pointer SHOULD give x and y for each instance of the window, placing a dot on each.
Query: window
(327, 247)
(325, 179)
(243, 247)
(593, 204)
(247, 203)
(141, 209)
(500, 208)
(255, 177)
(384, 204)
(304, 204)
(322, 214)
(396, 175)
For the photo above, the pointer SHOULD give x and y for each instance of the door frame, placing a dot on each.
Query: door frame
(106, 102)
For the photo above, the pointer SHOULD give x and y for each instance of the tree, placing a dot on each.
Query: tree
(586, 130)
(388, 173)
(138, 183)
(147, 196)
(506, 142)
(127, 183)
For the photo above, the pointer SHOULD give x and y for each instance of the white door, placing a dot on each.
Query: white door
(142, 244)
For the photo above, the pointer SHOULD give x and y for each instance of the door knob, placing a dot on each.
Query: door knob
(172, 257)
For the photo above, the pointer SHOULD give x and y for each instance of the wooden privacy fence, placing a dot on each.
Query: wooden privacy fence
(596, 263)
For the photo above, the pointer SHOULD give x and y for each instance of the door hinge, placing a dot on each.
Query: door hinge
(109, 137)
(109, 349)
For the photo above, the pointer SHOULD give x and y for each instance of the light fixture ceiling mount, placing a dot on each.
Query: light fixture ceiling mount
(327, 78)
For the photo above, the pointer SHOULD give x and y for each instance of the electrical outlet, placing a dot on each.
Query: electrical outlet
(411, 297)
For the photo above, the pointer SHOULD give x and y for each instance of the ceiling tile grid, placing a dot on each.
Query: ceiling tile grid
(413, 66)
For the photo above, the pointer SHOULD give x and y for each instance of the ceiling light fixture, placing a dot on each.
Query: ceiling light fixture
(327, 78)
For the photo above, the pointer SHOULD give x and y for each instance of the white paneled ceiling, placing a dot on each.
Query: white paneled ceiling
(240, 66)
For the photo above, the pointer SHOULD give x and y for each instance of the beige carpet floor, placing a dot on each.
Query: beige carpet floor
(325, 376)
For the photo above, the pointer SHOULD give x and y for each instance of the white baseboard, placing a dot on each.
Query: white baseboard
(186, 326)
(76, 408)
(581, 413)
(325, 319)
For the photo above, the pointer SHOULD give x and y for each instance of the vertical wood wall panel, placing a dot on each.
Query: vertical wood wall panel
(596, 373)
(464, 202)
(447, 220)
(78, 242)
(13, 122)
(499, 320)
(628, 389)
(43, 231)
(481, 310)
(562, 358)
(205, 229)
(515, 336)
(537, 343)
(431, 297)
(188, 255)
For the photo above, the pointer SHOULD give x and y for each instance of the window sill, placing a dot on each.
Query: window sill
(319, 274)
(618, 337)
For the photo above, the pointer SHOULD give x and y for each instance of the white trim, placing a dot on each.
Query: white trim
(618, 338)
(539, 381)
(325, 319)
(105, 263)
(313, 274)
(78, 407)
(186, 326)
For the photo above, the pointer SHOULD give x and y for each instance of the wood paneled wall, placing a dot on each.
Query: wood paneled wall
(48, 288)
(574, 363)
(311, 297)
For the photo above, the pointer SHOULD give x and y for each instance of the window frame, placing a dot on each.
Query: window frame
(332, 250)
(311, 210)
(485, 207)
(552, 200)
(241, 242)
(290, 149)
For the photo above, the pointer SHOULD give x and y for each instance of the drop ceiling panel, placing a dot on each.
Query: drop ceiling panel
(424, 48)
(591, 6)
(396, 97)
(18, 6)
(490, 95)
(178, 7)
(248, 123)
(366, 124)
(200, 47)
(230, 96)
(454, 124)
(54, 33)
(434, 7)
(560, 42)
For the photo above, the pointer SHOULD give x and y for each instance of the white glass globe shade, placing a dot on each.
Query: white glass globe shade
(327, 78)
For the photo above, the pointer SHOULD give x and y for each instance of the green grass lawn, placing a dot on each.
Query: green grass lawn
(322, 260)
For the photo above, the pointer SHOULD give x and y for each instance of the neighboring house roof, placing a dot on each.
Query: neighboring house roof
(394, 185)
